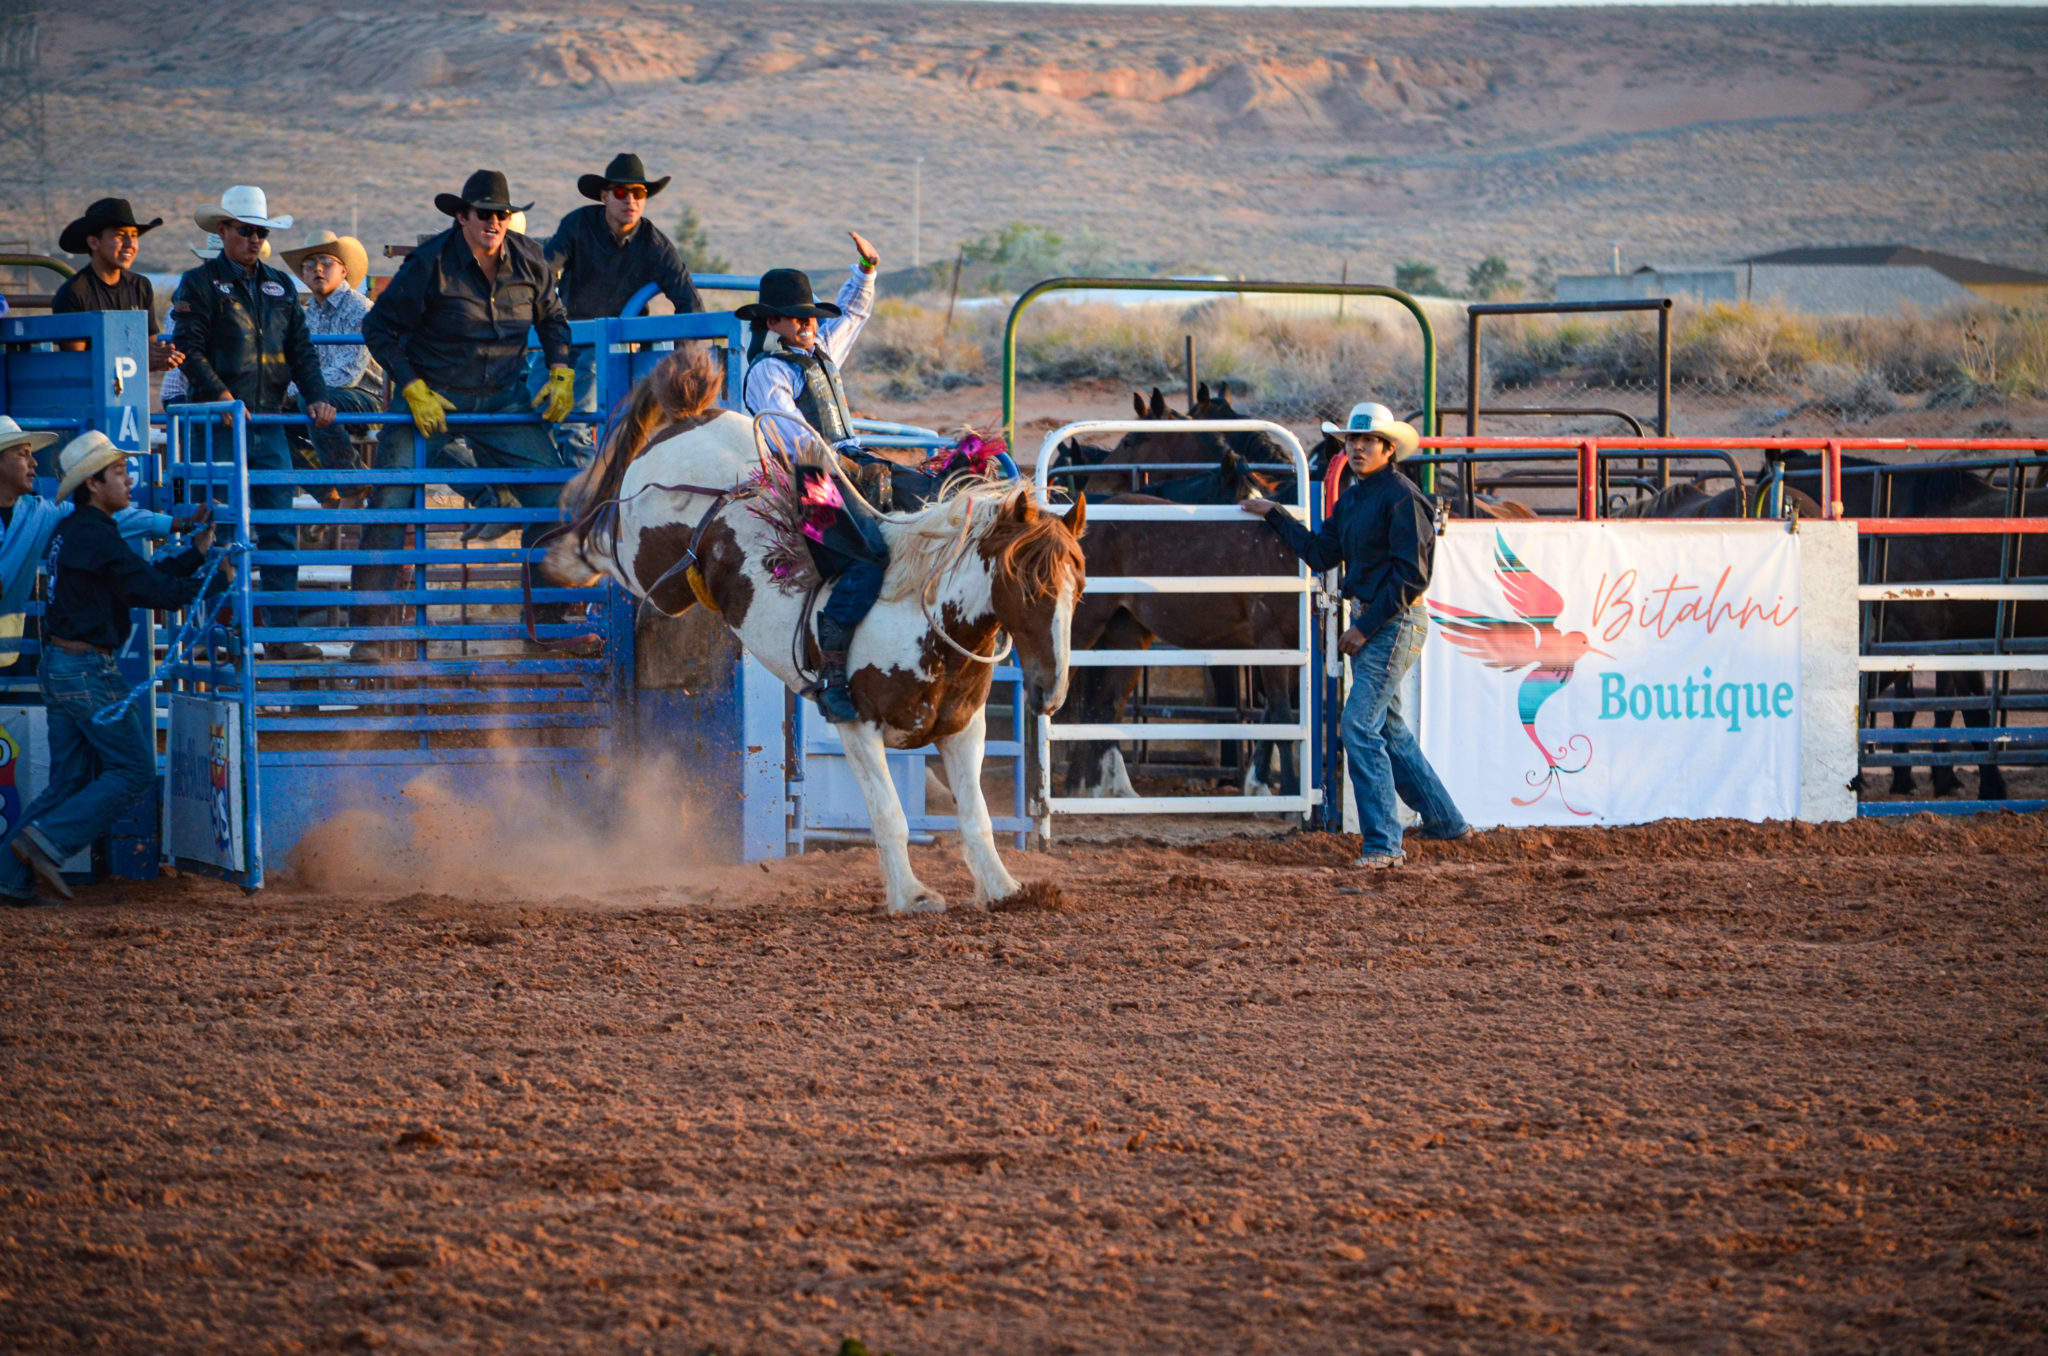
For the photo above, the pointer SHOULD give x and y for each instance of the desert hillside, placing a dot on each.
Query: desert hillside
(1243, 140)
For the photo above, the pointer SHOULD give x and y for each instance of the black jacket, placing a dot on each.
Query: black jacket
(442, 321)
(96, 577)
(600, 272)
(244, 334)
(1384, 534)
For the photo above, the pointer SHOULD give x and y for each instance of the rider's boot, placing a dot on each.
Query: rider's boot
(835, 698)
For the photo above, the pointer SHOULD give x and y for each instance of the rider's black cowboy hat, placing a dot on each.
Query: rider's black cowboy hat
(785, 295)
(484, 191)
(624, 169)
(102, 215)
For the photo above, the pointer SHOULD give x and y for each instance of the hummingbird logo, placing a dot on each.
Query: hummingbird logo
(1531, 640)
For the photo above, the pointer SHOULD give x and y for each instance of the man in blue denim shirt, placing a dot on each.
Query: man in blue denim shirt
(1383, 531)
(96, 771)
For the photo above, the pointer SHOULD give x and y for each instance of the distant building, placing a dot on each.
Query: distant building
(1844, 280)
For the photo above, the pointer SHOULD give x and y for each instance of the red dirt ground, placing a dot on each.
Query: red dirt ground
(1700, 1088)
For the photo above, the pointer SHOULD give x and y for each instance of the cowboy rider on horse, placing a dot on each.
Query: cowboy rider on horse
(793, 368)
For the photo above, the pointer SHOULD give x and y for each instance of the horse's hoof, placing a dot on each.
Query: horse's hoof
(924, 903)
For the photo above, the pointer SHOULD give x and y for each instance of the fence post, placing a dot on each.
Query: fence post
(1831, 480)
(1589, 480)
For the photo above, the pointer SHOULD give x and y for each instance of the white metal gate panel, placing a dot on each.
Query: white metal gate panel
(1301, 583)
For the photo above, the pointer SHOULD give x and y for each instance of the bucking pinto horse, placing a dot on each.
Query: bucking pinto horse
(683, 523)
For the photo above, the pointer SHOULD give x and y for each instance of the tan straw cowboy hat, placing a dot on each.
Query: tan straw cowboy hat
(83, 458)
(14, 435)
(355, 260)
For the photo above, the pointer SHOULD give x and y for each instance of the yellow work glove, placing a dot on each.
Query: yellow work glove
(430, 409)
(559, 395)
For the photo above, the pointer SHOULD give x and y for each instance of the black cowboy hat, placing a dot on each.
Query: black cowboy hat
(486, 190)
(624, 169)
(785, 295)
(101, 215)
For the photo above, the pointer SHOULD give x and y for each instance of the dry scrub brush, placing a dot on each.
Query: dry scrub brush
(1296, 366)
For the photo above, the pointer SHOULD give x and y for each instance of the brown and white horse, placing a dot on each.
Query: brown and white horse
(983, 562)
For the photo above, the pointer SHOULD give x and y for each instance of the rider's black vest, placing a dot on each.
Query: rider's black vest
(819, 396)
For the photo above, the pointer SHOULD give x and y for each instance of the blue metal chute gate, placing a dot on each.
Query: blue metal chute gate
(458, 695)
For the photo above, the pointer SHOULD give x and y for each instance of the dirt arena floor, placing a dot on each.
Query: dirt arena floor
(1704, 1088)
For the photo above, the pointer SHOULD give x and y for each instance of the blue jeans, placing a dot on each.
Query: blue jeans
(333, 447)
(576, 442)
(1382, 751)
(96, 771)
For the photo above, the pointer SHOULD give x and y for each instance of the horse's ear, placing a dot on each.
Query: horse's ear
(1077, 519)
(1158, 409)
(1201, 393)
(1138, 404)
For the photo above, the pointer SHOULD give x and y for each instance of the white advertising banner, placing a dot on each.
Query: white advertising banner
(1614, 672)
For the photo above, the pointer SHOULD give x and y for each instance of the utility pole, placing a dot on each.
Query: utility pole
(22, 139)
(917, 214)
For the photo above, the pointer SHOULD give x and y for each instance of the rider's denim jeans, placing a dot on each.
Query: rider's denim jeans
(1382, 752)
(96, 771)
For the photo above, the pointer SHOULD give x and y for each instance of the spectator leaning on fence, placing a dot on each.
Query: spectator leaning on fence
(244, 338)
(1383, 532)
(97, 770)
(334, 267)
(604, 255)
(111, 237)
(450, 328)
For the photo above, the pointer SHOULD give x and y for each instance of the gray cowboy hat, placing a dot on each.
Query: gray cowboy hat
(785, 295)
(624, 169)
(486, 191)
(105, 213)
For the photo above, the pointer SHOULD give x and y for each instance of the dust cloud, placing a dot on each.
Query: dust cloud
(529, 839)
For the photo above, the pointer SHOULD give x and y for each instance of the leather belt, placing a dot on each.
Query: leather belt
(80, 646)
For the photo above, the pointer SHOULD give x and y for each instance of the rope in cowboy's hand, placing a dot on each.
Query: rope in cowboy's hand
(189, 631)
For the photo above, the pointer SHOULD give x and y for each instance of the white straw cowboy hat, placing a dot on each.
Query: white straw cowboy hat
(1369, 417)
(14, 435)
(83, 458)
(244, 203)
(355, 260)
(211, 249)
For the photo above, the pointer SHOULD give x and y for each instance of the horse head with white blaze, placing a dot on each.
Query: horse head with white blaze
(982, 571)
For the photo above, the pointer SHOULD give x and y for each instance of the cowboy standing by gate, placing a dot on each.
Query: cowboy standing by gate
(1383, 532)
(606, 253)
(97, 769)
(244, 338)
(450, 329)
(793, 369)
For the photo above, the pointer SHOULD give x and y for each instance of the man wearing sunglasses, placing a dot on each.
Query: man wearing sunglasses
(451, 329)
(244, 336)
(605, 253)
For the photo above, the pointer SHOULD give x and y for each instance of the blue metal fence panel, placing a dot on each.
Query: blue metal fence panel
(456, 676)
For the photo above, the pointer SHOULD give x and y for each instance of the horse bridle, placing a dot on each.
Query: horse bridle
(605, 514)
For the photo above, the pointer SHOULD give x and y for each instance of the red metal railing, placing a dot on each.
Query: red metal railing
(1831, 452)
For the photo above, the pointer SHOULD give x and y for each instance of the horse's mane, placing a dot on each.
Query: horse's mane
(1034, 548)
(679, 394)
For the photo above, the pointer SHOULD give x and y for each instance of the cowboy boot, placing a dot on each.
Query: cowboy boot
(835, 698)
